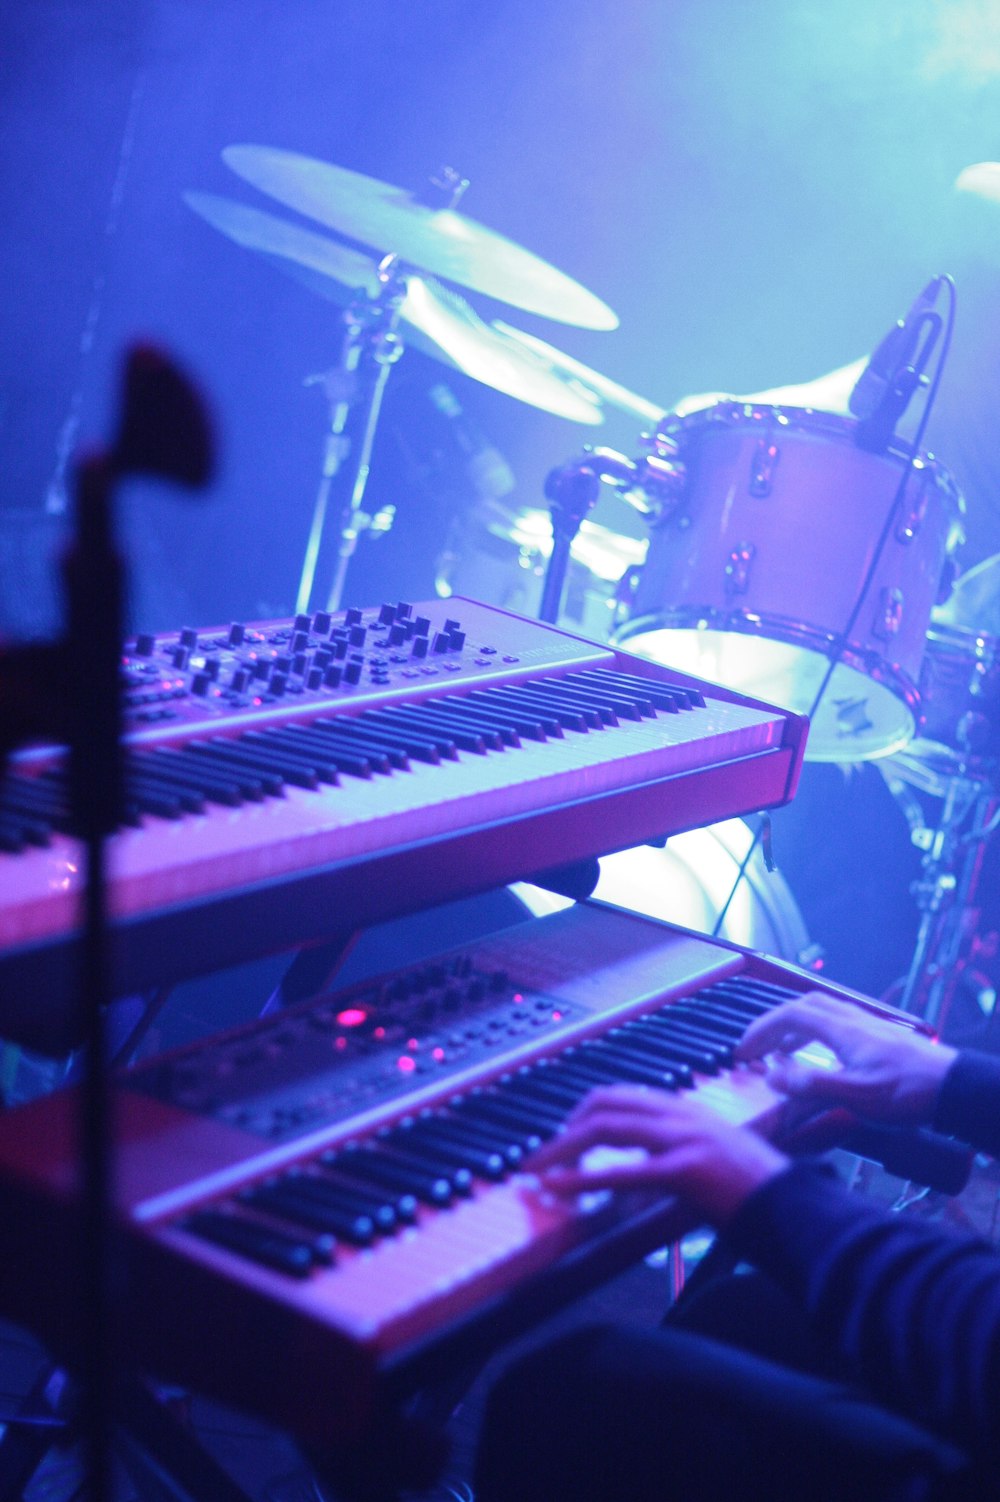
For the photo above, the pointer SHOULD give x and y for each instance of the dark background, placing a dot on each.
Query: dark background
(758, 191)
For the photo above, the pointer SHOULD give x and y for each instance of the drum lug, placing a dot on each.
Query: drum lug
(889, 615)
(912, 519)
(738, 568)
(762, 466)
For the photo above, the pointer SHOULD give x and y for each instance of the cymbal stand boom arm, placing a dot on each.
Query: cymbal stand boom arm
(354, 388)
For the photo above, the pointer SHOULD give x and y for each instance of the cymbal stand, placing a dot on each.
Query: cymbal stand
(945, 893)
(354, 389)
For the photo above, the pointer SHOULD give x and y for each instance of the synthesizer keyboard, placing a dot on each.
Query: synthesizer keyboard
(298, 777)
(321, 1207)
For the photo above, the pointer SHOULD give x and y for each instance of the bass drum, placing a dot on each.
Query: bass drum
(768, 562)
(689, 883)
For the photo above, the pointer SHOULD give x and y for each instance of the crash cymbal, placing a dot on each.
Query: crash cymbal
(440, 241)
(605, 389)
(982, 178)
(437, 321)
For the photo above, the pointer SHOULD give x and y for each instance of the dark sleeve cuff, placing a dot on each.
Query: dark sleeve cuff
(969, 1104)
(788, 1226)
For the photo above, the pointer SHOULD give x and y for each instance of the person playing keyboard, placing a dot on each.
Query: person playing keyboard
(853, 1354)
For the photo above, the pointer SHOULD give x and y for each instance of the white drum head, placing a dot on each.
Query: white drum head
(861, 715)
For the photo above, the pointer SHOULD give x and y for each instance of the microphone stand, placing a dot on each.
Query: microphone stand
(163, 432)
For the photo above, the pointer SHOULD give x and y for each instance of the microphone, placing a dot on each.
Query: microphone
(895, 353)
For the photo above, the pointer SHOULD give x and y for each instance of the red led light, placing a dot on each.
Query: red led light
(340, 1043)
(379, 1032)
(412, 1044)
(352, 1016)
(406, 1064)
(557, 1016)
(437, 1053)
(517, 996)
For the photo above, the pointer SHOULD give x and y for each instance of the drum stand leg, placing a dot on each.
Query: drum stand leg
(354, 390)
(945, 895)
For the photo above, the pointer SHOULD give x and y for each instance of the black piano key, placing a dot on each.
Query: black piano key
(328, 1190)
(556, 691)
(451, 730)
(271, 1248)
(521, 1126)
(768, 993)
(287, 1201)
(427, 1160)
(601, 698)
(557, 708)
(410, 725)
(139, 778)
(427, 1141)
(690, 1032)
(30, 795)
(158, 801)
(672, 697)
(528, 726)
(732, 1012)
(543, 1115)
(420, 747)
(467, 1127)
(252, 781)
(195, 773)
(705, 1060)
(636, 696)
(493, 721)
(628, 1065)
(328, 759)
(721, 1022)
(685, 693)
(256, 746)
(376, 1201)
(536, 718)
(741, 1010)
(451, 718)
(655, 1051)
(342, 749)
(710, 1030)
(380, 1171)
(557, 1088)
(11, 838)
(347, 729)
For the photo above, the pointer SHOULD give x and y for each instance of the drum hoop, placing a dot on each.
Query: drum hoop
(779, 628)
(831, 424)
(962, 641)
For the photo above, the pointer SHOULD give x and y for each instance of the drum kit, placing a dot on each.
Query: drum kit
(771, 547)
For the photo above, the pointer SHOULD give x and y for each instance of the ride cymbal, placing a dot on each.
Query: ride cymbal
(441, 241)
(438, 321)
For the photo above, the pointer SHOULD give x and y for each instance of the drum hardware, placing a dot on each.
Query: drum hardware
(762, 468)
(413, 234)
(354, 390)
(429, 236)
(738, 568)
(650, 484)
(737, 571)
(953, 849)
